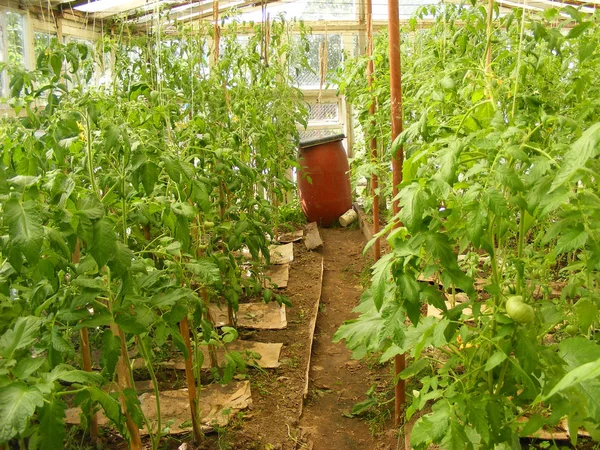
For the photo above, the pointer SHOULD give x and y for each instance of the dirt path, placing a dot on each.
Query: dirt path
(337, 382)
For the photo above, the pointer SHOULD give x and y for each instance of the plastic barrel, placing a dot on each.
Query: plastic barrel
(324, 180)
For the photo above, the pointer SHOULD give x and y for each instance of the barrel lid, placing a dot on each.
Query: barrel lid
(305, 143)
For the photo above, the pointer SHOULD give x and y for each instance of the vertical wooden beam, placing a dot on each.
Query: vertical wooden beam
(397, 158)
(59, 27)
(361, 17)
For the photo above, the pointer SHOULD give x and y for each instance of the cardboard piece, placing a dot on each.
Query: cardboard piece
(269, 355)
(257, 316)
(291, 237)
(460, 297)
(559, 433)
(217, 404)
(312, 238)
(279, 276)
(282, 254)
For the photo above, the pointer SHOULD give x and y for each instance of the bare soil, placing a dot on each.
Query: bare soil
(336, 382)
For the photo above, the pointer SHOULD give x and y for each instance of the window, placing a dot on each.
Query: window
(15, 38)
(12, 44)
(314, 53)
(41, 41)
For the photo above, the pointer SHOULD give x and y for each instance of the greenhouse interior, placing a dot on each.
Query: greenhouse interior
(300, 224)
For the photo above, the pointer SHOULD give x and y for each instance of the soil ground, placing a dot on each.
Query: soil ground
(336, 382)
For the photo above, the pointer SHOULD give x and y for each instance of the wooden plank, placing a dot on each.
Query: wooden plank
(312, 238)
(311, 335)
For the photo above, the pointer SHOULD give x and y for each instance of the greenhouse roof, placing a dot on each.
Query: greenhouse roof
(144, 11)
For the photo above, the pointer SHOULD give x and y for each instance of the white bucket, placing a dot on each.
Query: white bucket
(348, 217)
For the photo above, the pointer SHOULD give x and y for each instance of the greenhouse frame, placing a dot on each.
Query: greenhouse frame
(297, 224)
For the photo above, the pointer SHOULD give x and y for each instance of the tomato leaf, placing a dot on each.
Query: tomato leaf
(585, 148)
(18, 403)
(25, 228)
(104, 244)
(52, 424)
(575, 377)
(495, 360)
(24, 333)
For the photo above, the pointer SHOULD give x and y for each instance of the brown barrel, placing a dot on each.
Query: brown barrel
(324, 180)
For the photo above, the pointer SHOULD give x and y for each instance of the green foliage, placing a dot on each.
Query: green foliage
(498, 184)
(128, 207)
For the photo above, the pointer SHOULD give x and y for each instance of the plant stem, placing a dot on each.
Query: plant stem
(90, 155)
(521, 239)
(505, 365)
(148, 361)
(518, 68)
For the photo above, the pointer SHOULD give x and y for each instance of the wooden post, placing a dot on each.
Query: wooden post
(396, 107)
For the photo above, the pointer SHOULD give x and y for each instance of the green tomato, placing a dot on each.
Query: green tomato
(519, 311)
(209, 225)
(572, 330)
(447, 83)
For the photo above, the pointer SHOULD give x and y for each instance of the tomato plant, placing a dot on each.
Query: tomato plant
(497, 186)
(125, 212)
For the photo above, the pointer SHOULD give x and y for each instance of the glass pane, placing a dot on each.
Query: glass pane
(323, 112)
(310, 79)
(41, 41)
(16, 41)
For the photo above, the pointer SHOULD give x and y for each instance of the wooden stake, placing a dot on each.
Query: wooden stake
(124, 382)
(86, 354)
(397, 160)
(488, 52)
(184, 327)
(212, 350)
(217, 32)
(373, 141)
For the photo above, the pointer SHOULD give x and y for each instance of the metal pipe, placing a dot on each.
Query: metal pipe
(397, 158)
(373, 140)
